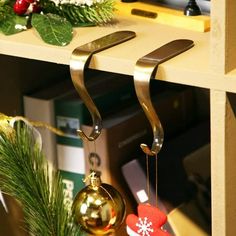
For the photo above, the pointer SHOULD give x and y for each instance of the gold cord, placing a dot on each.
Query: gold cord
(38, 124)
(95, 151)
(148, 178)
(93, 165)
(156, 169)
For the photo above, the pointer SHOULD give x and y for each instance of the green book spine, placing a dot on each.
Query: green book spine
(71, 164)
(69, 116)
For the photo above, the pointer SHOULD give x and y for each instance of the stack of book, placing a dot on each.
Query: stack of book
(39, 106)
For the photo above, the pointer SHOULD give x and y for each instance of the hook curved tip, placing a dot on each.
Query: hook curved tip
(90, 138)
(147, 150)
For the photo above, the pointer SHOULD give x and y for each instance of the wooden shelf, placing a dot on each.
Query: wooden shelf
(191, 67)
(150, 35)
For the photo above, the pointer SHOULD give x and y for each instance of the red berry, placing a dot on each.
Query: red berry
(20, 7)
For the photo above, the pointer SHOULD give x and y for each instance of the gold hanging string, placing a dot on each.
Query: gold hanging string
(148, 178)
(95, 148)
(94, 164)
(156, 178)
(89, 152)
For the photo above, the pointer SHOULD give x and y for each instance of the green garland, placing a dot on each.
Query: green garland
(5, 10)
(96, 14)
(25, 176)
(55, 22)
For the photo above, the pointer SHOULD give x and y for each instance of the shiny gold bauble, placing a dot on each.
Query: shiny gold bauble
(99, 208)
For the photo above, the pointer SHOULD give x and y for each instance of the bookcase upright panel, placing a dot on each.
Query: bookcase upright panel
(223, 122)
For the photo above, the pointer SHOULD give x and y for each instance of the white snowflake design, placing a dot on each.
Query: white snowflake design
(144, 227)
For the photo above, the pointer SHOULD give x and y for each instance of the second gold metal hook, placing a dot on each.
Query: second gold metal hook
(145, 69)
(79, 61)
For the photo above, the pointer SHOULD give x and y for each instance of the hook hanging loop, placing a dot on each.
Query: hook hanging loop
(79, 61)
(145, 69)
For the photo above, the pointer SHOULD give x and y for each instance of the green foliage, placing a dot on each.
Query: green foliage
(11, 23)
(55, 23)
(59, 31)
(25, 175)
(84, 15)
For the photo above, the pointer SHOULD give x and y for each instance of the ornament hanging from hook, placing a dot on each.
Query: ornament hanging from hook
(98, 208)
(145, 69)
(150, 219)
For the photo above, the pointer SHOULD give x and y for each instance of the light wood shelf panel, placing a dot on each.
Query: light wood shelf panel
(223, 162)
(191, 67)
(223, 121)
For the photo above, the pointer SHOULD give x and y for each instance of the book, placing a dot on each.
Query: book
(112, 90)
(39, 106)
(198, 162)
(198, 169)
(175, 109)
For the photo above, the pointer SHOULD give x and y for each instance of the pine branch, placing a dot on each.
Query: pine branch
(98, 13)
(25, 175)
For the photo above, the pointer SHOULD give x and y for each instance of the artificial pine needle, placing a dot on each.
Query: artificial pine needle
(25, 176)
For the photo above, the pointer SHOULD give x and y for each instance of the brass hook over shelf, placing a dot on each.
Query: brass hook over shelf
(79, 61)
(145, 69)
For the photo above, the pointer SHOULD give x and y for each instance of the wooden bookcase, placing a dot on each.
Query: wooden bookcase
(210, 64)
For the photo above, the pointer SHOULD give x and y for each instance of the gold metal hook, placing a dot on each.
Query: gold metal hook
(145, 69)
(79, 61)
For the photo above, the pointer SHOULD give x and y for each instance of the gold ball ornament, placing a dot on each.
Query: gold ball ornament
(99, 208)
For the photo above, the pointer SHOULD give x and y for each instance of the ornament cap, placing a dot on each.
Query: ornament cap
(94, 180)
